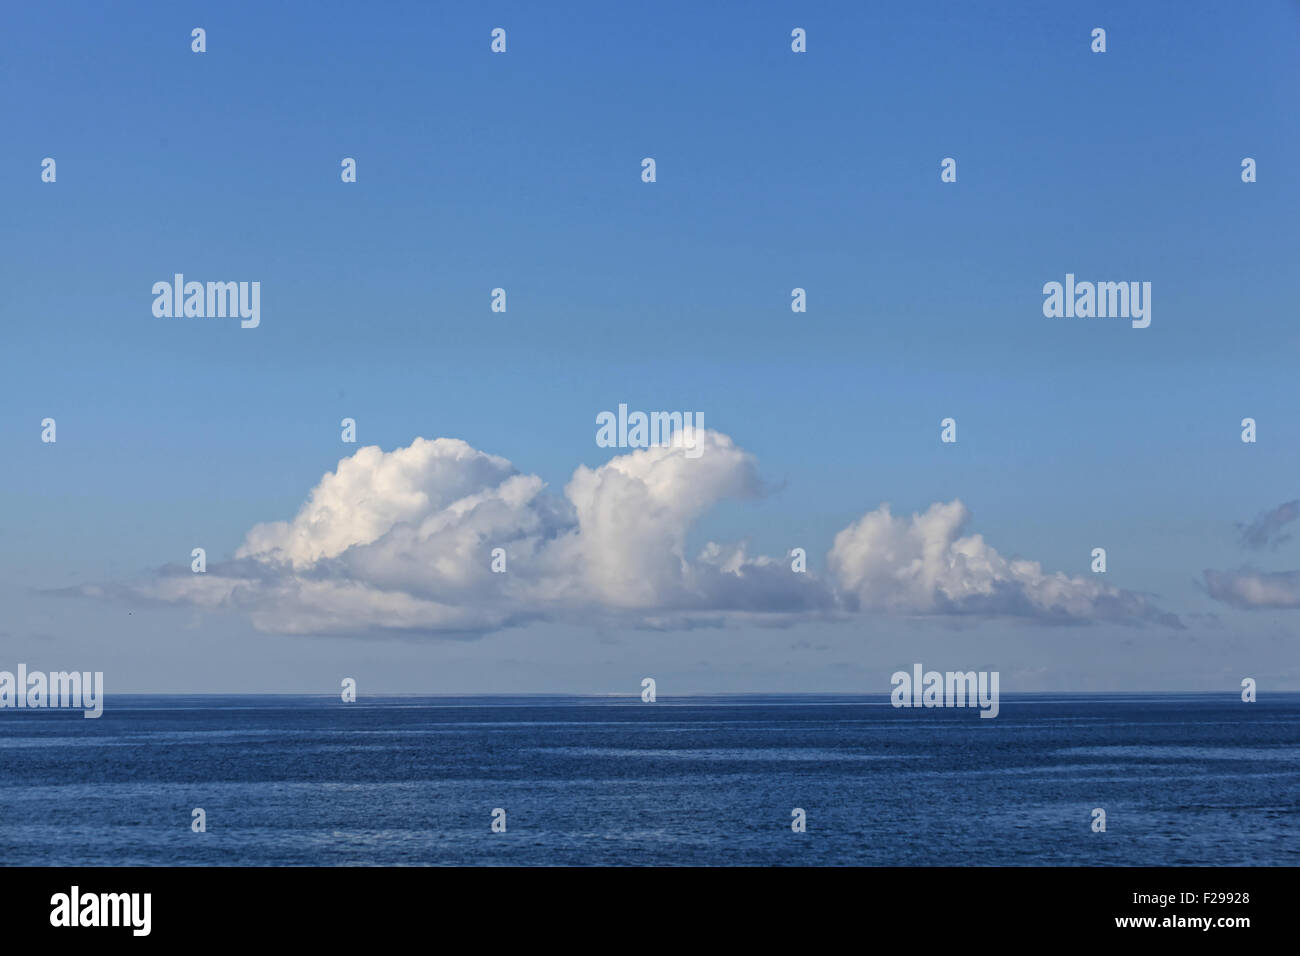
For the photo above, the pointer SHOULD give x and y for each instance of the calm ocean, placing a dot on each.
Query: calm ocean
(1184, 779)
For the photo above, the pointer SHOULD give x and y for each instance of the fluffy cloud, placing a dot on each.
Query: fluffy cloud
(924, 565)
(402, 541)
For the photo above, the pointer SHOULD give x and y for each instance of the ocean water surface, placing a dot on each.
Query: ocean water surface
(1184, 779)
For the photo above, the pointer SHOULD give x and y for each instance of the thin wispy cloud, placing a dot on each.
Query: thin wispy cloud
(1249, 589)
(1266, 531)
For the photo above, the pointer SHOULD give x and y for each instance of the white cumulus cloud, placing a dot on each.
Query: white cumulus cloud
(925, 565)
(402, 541)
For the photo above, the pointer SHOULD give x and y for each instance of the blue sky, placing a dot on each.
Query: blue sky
(775, 170)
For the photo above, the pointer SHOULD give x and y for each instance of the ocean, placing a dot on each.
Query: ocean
(1184, 779)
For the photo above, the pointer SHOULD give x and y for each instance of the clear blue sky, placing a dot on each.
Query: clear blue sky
(775, 170)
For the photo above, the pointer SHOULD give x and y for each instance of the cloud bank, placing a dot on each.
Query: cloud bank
(402, 541)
